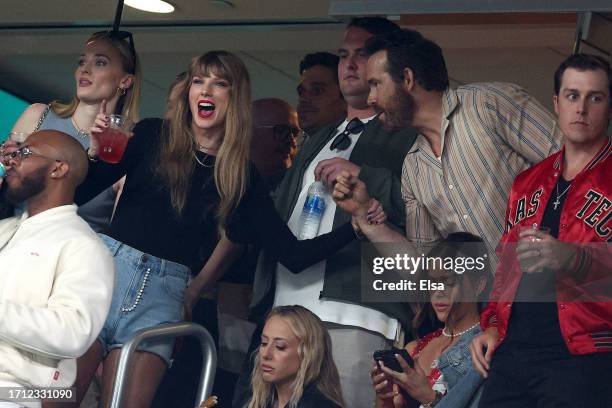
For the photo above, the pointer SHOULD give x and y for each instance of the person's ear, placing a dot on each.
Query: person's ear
(556, 104)
(60, 169)
(409, 81)
(127, 81)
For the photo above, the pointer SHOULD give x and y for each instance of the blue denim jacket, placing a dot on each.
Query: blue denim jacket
(464, 383)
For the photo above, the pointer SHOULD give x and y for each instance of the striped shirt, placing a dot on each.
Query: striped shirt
(490, 133)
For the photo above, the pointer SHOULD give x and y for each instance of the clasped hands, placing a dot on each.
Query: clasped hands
(351, 194)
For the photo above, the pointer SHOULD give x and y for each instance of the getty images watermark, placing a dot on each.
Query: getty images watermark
(406, 272)
(410, 273)
(405, 263)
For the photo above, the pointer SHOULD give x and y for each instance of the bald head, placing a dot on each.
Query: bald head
(275, 128)
(271, 111)
(64, 148)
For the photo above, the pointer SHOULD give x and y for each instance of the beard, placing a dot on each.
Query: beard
(399, 111)
(30, 186)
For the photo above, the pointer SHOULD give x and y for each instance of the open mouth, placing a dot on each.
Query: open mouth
(205, 109)
(84, 82)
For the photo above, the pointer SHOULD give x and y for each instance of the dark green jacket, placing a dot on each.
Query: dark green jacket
(380, 156)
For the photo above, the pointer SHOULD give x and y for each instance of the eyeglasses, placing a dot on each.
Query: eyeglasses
(23, 153)
(343, 140)
(120, 36)
(282, 133)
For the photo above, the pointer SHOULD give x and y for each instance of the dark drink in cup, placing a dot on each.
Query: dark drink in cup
(114, 139)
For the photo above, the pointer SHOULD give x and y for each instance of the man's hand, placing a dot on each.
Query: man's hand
(480, 358)
(6, 148)
(328, 170)
(538, 250)
(351, 194)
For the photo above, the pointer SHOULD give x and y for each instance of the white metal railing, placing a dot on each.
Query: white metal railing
(209, 356)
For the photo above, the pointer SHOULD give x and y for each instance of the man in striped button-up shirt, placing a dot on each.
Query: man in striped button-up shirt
(473, 141)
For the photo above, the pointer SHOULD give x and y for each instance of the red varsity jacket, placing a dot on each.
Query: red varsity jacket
(584, 291)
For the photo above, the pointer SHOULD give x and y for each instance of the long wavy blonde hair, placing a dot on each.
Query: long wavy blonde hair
(177, 150)
(317, 366)
(129, 103)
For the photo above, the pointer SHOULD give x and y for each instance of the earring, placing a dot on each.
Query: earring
(121, 91)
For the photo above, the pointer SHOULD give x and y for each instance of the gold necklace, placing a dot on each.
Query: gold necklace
(80, 132)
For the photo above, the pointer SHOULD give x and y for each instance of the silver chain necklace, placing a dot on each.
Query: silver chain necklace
(80, 132)
(557, 202)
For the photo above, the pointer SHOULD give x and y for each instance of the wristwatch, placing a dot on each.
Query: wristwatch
(435, 401)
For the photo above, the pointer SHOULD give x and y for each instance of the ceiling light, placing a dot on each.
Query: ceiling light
(153, 6)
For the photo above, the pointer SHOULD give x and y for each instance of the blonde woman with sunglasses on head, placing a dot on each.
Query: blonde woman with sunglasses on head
(108, 70)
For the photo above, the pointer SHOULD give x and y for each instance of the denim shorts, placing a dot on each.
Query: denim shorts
(149, 291)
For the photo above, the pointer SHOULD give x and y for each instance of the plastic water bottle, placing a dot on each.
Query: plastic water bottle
(313, 210)
(2, 170)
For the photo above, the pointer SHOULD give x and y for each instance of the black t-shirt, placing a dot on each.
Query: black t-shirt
(536, 323)
(145, 219)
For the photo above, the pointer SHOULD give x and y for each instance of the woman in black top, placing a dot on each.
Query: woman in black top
(188, 178)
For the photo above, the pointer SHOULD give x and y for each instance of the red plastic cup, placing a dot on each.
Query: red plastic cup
(114, 139)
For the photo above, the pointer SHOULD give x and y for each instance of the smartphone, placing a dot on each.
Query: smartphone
(389, 360)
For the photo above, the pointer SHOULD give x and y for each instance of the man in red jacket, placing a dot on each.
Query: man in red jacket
(549, 324)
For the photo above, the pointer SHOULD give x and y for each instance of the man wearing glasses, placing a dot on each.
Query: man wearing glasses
(56, 275)
(331, 289)
(275, 131)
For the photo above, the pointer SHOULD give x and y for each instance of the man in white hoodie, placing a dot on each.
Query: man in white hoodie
(56, 275)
